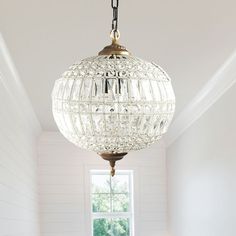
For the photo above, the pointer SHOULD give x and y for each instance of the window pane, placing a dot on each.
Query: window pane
(101, 202)
(120, 227)
(120, 184)
(111, 227)
(101, 183)
(101, 227)
(120, 203)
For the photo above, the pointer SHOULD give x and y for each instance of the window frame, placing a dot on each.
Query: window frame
(119, 215)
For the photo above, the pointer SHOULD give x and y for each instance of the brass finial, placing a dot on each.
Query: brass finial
(114, 48)
(112, 158)
(113, 171)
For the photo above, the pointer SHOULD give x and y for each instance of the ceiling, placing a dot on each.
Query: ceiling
(190, 39)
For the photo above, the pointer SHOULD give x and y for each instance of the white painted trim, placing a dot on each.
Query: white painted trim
(129, 214)
(135, 196)
(13, 85)
(223, 79)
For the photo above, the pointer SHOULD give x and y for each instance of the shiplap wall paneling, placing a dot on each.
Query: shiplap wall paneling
(64, 187)
(19, 130)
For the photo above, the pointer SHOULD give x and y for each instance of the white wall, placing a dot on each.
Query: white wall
(64, 187)
(202, 174)
(19, 129)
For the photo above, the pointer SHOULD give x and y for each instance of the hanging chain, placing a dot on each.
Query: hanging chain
(115, 5)
(115, 32)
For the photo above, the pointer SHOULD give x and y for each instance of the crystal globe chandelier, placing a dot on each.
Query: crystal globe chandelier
(114, 102)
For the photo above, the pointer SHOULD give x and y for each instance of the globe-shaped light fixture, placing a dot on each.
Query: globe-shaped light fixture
(113, 103)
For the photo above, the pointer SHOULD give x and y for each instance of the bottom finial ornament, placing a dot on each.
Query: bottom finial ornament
(112, 158)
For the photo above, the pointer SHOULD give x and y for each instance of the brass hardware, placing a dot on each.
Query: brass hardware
(112, 158)
(114, 49)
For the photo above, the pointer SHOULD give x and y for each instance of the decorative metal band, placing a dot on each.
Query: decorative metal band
(114, 49)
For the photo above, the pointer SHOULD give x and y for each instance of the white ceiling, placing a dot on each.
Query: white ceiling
(190, 39)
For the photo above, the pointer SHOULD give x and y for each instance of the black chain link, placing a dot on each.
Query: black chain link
(115, 5)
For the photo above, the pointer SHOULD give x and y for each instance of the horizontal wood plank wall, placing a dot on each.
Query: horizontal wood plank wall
(64, 187)
(19, 130)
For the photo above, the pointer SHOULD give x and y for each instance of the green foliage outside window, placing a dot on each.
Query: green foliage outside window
(110, 227)
(110, 195)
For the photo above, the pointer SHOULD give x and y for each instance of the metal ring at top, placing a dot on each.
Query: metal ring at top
(115, 34)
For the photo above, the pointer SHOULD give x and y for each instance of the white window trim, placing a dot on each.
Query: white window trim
(106, 215)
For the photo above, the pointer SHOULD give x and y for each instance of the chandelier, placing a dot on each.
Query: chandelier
(114, 102)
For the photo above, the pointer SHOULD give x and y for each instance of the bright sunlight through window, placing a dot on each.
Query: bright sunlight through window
(112, 203)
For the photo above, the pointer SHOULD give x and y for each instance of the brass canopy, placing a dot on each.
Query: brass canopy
(114, 49)
(112, 158)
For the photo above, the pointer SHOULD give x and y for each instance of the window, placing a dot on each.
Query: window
(112, 203)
